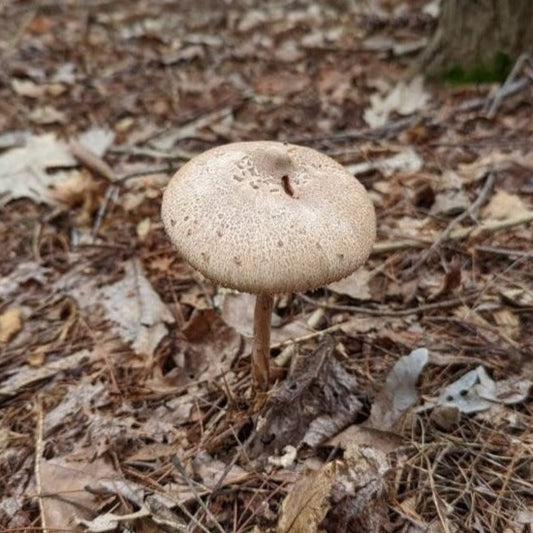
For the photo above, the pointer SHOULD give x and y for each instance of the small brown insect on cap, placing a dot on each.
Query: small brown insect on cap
(269, 217)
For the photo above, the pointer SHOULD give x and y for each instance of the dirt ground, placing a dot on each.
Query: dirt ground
(401, 396)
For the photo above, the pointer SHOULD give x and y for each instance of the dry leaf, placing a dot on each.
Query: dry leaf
(344, 495)
(10, 324)
(317, 400)
(406, 161)
(355, 285)
(47, 115)
(137, 313)
(213, 472)
(404, 99)
(63, 481)
(26, 375)
(504, 205)
(24, 171)
(399, 393)
(476, 391)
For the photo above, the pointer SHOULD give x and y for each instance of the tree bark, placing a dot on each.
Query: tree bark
(478, 40)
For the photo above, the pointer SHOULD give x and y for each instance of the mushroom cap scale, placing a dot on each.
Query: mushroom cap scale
(269, 217)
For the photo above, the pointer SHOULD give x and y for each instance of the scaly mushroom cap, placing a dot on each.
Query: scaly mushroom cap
(269, 217)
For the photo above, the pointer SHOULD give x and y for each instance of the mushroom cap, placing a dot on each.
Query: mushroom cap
(269, 217)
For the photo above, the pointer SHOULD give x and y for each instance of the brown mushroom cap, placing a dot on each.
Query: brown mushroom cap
(269, 217)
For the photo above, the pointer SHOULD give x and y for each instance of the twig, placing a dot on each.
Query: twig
(511, 85)
(371, 312)
(489, 226)
(494, 225)
(111, 191)
(150, 152)
(146, 172)
(92, 161)
(393, 312)
(39, 448)
(503, 251)
(470, 212)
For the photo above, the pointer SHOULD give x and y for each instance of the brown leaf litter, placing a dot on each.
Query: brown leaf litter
(402, 399)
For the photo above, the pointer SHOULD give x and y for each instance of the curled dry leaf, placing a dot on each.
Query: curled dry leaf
(317, 400)
(476, 391)
(348, 494)
(399, 393)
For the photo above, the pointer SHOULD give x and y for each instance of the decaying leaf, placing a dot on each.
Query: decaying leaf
(63, 482)
(348, 494)
(110, 521)
(209, 347)
(214, 472)
(404, 99)
(504, 205)
(137, 309)
(399, 392)
(28, 270)
(407, 161)
(477, 391)
(137, 313)
(10, 324)
(26, 375)
(238, 312)
(24, 171)
(317, 400)
(355, 285)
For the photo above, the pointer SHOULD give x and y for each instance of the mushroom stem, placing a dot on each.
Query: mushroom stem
(261, 348)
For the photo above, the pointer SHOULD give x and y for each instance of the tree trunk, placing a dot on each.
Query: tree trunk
(478, 40)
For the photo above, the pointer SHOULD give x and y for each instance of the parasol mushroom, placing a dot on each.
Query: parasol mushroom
(268, 217)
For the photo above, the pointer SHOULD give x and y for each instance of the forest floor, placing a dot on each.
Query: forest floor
(402, 395)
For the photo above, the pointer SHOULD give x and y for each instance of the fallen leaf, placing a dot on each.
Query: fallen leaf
(384, 441)
(317, 400)
(286, 460)
(399, 392)
(348, 494)
(26, 375)
(406, 161)
(97, 140)
(23, 272)
(404, 99)
(135, 310)
(110, 521)
(504, 205)
(10, 324)
(209, 346)
(26, 172)
(143, 228)
(63, 480)
(213, 472)
(28, 88)
(47, 115)
(476, 391)
(355, 285)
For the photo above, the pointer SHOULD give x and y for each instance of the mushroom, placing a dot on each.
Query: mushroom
(268, 217)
